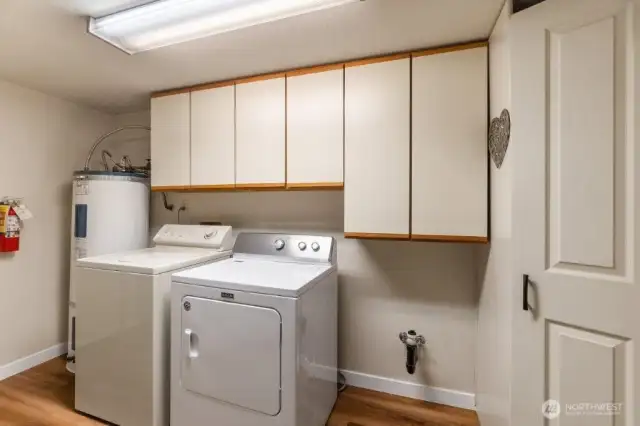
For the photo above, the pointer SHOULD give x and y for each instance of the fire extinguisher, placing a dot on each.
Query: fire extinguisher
(9, 229)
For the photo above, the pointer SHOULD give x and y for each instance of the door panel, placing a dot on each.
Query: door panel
(573, 81)
(231, 352)
(261, 132)
(377, 148)
(213, 137)
(582, 141)
(171, 140)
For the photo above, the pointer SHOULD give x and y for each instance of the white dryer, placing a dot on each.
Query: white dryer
(254, 338)
(123, 335)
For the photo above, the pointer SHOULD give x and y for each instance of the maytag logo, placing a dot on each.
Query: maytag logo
(227, 295)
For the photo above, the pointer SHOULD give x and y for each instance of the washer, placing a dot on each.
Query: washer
(123, 336)
(254, 338)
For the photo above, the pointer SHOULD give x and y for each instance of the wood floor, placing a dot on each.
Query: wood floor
(43, 396)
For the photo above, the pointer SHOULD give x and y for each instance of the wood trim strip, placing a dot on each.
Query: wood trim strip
(447, 49)
(261, 77)
(377, 59)
(225, 187)
(316, 185)
(315, 69)
(372, 236)
(169, 188)
(321, 68)
(208, 86)
(450, 238)
(260, 186)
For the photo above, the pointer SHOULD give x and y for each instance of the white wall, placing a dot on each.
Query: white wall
(42, 141)
(495, 264)
(385, 287)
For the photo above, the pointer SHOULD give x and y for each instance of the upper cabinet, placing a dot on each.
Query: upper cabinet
(405, 135)
(170, 141)
(449, 146)
(213, 138)
(260, 133)
(315, 129)
(377, 149)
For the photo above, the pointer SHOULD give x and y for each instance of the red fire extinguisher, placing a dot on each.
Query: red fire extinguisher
(9, 229)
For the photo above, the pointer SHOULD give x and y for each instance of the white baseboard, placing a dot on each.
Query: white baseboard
(411, 390)
(30, 361)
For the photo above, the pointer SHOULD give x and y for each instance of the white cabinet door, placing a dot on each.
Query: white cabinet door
(260, 133)
(449, 146)
(315, 129)
(213, 138)
(377, 139)
(170, 142)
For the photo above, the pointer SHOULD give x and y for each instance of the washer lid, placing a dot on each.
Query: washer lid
(153, 261)
(257, 276)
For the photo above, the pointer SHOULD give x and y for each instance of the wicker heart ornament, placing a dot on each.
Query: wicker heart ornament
(499, 135)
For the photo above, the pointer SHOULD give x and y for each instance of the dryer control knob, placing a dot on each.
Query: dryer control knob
(279, 244)
(302, 245)
(315, 246)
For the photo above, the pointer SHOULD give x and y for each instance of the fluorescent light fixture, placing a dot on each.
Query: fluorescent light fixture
(166, 22)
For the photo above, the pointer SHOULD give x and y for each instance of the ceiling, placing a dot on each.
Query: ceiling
(44, 45)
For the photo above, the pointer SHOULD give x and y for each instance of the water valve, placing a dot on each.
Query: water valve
(412, 343)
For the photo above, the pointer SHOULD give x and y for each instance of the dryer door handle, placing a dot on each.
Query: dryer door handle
(191, 342)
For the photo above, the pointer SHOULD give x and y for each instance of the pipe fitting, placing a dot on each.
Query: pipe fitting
(412, 343)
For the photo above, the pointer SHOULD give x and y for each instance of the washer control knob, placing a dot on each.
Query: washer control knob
(315, 246)
(302, 245)
(279, 244)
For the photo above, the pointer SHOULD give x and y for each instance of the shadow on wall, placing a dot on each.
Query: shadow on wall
(417, 272)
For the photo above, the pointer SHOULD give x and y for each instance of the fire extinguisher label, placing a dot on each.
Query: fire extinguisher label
(9, 222)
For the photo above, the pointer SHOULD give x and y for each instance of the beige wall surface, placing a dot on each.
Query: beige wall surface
(495, 263)
(42, 141)
(385, 287)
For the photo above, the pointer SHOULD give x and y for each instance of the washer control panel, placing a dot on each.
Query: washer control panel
(206, 236)
(304, 248)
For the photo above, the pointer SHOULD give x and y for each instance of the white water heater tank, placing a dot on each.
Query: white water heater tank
(110, 213)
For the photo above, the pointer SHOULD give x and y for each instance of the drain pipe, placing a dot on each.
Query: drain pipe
(412, 343)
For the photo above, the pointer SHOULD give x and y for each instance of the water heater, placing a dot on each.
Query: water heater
(110, 213)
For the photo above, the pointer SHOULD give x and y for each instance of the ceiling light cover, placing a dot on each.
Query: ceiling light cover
(166, 22)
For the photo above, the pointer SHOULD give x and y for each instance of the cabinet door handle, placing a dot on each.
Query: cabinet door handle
(525, 292)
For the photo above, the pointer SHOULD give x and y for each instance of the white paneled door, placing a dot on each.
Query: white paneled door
(576, 219)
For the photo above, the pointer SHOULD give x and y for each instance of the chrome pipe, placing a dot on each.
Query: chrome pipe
(105, 136)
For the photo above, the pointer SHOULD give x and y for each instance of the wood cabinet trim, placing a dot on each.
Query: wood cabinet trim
(316, 185)
(450, 238)
(321, 68)
(260, 78)
(169, 188)
(374, 236)
(260, 186)
(224, 187)
(377, 59)
(315, 69)
(208, 86)
(447, 49)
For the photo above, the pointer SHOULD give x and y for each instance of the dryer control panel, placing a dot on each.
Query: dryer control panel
(300, 248)
(204, 236)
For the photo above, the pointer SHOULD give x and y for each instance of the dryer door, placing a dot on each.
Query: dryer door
(231, 352)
